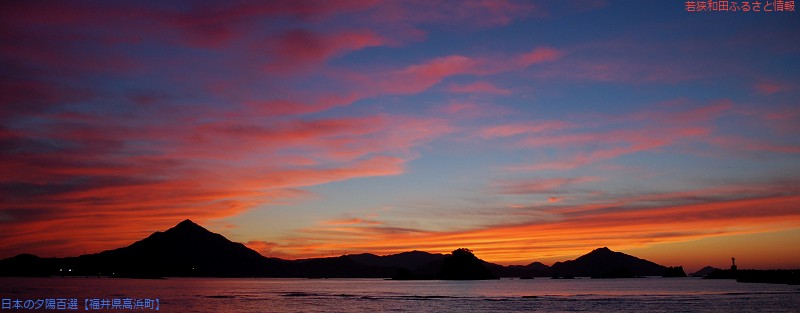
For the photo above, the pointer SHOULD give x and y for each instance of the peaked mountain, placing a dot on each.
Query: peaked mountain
(703, 272)
(187, 249)
(604, 263)
(184, 250)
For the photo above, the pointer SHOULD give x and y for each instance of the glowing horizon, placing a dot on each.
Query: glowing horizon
(524, 130)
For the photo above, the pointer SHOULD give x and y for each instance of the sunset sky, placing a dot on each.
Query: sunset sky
(526, 131)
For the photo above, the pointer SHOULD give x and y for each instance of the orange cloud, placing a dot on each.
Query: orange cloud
(351, 221)
(267, 249)
(554, 199)
(97, 179)
(621, 227)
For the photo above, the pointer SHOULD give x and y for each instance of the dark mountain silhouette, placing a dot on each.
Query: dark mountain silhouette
(535, 269)
(703, 272)
(408, 260)
(604, 263)
(184, 250)
(459, 265)
(189, 250)
(27, 265)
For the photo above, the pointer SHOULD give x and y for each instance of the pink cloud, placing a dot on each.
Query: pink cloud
(460, 107)
(508, 130)
(784, 120)
(472, 110)
(478, 87)
(629, 60)
(616, 144)
(539, 55)
(218, 24)
(780, 120)
(410, 79)
(581, 144)
(477, 13)
(738, 143)
(300, 104)
(149, 176)
(700, 114)
(770, 88)
(618, 71)
(32, 97)
(419, 77)
(538, 186)
(298, 48)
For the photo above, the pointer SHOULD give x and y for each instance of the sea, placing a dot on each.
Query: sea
(208, 295)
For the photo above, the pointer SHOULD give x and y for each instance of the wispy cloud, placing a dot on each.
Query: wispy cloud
(622, 226)
(769, 88)
(478, 87)
(538, 186)
(98, 171)
(581, 143)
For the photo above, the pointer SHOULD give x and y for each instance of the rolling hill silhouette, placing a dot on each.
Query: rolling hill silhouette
(461, 264)
(409, 260)
(189, 250)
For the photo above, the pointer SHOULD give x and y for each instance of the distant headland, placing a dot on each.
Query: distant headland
(189, 250)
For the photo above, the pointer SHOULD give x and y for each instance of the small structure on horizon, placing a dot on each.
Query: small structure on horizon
(733, 264)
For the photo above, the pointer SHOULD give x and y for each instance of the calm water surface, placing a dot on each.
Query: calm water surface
(373, 295)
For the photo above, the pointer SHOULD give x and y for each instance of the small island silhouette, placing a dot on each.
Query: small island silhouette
(189, 250)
